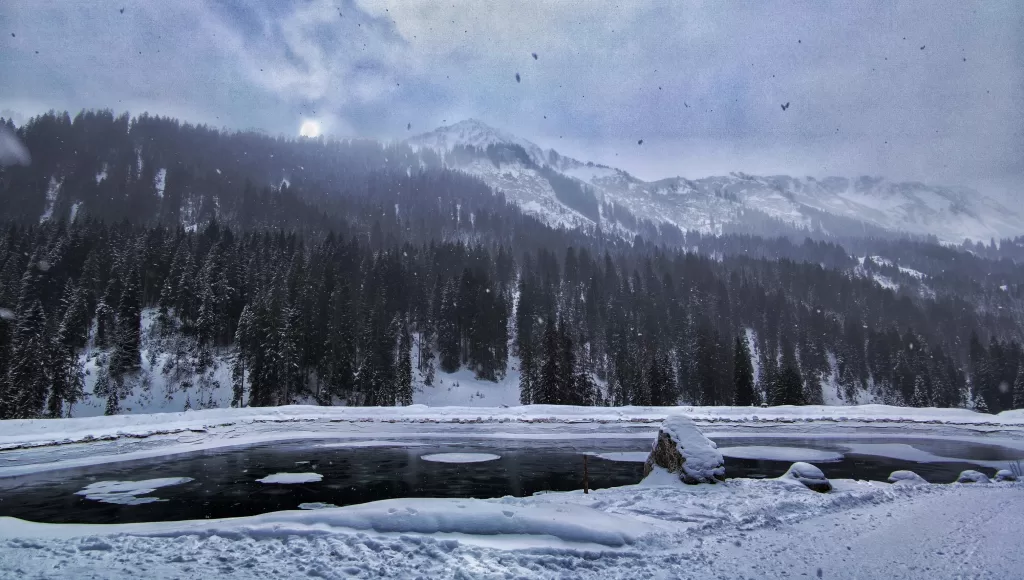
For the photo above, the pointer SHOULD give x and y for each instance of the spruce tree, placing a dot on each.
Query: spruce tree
(546, 390)
(28, 382)
(743, 375)
(921, 397)
(404, 386)
(449, 337)
(1018, 388)
(68, 382)
(125, 357)
(341, 347)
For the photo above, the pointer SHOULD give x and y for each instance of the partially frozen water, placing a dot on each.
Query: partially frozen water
(226, 482)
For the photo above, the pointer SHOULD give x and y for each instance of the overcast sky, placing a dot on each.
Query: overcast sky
(928, 90)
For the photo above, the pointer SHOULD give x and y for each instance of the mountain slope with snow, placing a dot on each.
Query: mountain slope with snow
(736, 202)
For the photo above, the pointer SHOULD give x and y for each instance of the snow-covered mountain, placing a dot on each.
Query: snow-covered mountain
(565, 191)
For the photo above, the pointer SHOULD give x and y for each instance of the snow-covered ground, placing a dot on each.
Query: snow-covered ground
(39, 432)
(657, 529)
(739, 529)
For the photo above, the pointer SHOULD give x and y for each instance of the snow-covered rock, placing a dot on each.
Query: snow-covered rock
(809, 475)
(906, 477)
(1006, 475)
(971, 476)
(683, 450)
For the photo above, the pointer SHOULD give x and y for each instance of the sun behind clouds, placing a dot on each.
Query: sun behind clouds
(309, 128)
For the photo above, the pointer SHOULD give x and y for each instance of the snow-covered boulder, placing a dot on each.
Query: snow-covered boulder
(683, 450)
(1006, 475)
(971, 476)
(809, 475)
(906, 477)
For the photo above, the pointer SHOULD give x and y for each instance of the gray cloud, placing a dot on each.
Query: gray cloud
(865, 98)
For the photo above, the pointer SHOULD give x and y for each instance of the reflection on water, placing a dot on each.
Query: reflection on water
(224, 482)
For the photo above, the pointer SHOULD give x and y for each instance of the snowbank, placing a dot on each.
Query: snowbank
(570, 523)
(739, 529)
(36, 432)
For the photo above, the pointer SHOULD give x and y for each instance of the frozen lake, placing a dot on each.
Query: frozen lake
(261, 478)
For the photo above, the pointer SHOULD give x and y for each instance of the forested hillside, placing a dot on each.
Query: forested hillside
(378, 265)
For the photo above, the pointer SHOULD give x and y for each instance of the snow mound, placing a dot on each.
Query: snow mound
(808, 475)
(460, 457)
(682, 449)
(780, 453)
(971, 476)
(906, 477)
(567, 522)
(288, 478)
(1006, 475)
(128, 492)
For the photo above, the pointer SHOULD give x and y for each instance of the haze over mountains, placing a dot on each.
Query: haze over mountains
(737, 202)
(147, 251)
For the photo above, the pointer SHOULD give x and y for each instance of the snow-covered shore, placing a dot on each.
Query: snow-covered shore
(743, 528)
(42, 432)
(657, 529)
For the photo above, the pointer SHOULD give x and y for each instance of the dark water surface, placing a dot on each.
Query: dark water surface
(224, 480)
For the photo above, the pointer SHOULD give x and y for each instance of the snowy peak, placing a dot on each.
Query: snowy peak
(475, 133)
(738, 202)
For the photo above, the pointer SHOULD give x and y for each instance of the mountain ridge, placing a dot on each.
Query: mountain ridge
(830, 205)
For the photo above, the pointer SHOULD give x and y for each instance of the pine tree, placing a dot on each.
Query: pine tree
(449, 337)
(404, 387)
(1018, 388)
(547, 387)
(243, 345)
(566, 394)
(68, 383)
(983, 385)
(661, 380)
(28, 382)
(921, 397)
(125, 357)
(292, 379)
(789, 384)
(743, 375)
(341, 347)
(527, 374)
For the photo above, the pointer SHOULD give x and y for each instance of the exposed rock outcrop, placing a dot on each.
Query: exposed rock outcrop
(683, 450)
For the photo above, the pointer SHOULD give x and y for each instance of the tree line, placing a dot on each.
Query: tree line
(337, 320)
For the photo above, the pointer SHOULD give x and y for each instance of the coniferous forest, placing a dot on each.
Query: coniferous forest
(350, 272)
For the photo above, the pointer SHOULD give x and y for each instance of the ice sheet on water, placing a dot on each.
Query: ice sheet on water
(372, 443)
(128, 492)
(460, 457)
(626, 456)
(780, 453)
(291, 478)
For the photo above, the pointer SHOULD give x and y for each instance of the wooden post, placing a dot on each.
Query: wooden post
(586, 483)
